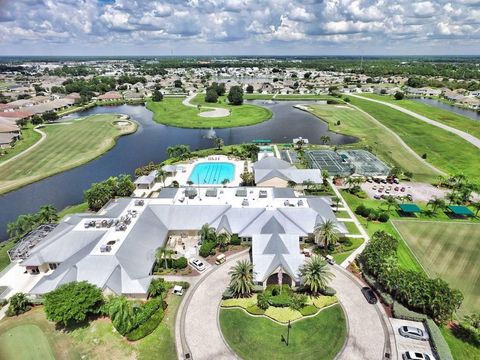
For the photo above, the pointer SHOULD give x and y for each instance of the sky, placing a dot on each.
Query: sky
(239, 27)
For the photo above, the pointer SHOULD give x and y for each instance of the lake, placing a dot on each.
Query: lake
(149, 143)
(472, 114)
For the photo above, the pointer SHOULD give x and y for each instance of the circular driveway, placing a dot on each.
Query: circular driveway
(198, 330)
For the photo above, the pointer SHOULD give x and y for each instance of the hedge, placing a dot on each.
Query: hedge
(147, 311)
(439, 345)
(235, 240)
(207, 249)
(308, 310)
(328, 291)
(255, 310)
(401, 312)
(146, 328)
(386, 298)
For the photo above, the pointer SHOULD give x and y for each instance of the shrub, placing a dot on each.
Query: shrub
(146, 328)
(360, 210)
(19, 304)
(158, 287)
(328, 291)
(207, 249)
(323, 301)
(146, 311)
(283, 315)
(228, 294)
(263, 301)
(308, 310)
(401, 312)
(298, 301)
(283, 300)
(383, 217)
(184, 284)
(255, 310)
(439, 345)
(180, 263)
(333, 102)
(235, 240)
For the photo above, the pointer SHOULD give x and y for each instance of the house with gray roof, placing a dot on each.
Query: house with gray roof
(115, 248)
(274, 172)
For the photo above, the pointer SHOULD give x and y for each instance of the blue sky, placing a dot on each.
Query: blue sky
(239, 27)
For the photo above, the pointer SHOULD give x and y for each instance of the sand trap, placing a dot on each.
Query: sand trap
(217, 112)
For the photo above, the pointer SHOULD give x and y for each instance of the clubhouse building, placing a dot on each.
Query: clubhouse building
(115, 248)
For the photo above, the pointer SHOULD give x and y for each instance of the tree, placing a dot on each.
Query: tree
(177, 83)
(98, 195)
(325, 176)
(121, 313)
(436, 203)
(178, 151)
(325, 139)
(247, 178)
(315, 274)
(326, 233)
(207, 233)
(476, 206)
(36, 120)
(18, 304)
(211, 96)
(50, 116)
(158, 287)
(161, 176)
(390, 201)
(250, 89)
(336, 201)
(47, 214)
(124, 185)
(218, 141)
(157, 96)
(399, 95)
(241, 278)
(235, 95)
(223, 240)
(73, 302)
(163, 253)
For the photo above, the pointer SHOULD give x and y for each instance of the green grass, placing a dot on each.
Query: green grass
(384, 144)
(4, 247)
(444, 150)
(441, 115)
(28, 138)
(25, 342)
(65, 147)
(342, 214)
(448, 250)
(347, 250)
(351, 227)
(290, 97)
(171, 111)
(460, 349)
(74, 209)
(318, 337)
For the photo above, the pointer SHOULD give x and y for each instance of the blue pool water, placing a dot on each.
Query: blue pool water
(212, 173)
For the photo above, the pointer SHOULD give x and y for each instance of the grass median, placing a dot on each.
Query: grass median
(171, 111)
(66, 146)
(444, 150)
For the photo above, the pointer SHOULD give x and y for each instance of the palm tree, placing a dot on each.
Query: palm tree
(300, 142)
(453, 198)
(164, 253)
(476, 206)
(121, 312)
(325, 139)
(336, 201)
(223, 240)
(47, 214)
(161, 176)
(225, 182)
(241, 278)
(326, 233)
(218, 141)
(436, 203)
(315, 274)
(325, 176)
(390, 201)
(207, 233)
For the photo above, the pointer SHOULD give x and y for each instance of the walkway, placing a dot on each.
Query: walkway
(36, 129)
(470, 138)
(215, 112)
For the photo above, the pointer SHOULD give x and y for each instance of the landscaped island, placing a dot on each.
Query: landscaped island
(171, 111)
(66, 145)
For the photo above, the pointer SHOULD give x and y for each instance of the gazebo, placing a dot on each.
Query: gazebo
(409, 208)
(460, 210)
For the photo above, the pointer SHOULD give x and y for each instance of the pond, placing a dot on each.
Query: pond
(149, 143)
(472, 114)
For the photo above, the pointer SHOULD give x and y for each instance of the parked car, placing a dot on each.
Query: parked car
(395, 180)
(330, 259)
(369, 295)
(402, 189)
(413, 333)
(220, 259)
(178, 290)
(377, 197)
(413, 355)
(409, 197)
(197, 264)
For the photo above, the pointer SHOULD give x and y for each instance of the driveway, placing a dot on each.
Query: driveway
(470, 138)
(198, 329)
(369, 335)
(405, 344)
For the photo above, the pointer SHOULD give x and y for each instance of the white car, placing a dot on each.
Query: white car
(197, 264)
(413, 333)
(413, 355)
(178, 290)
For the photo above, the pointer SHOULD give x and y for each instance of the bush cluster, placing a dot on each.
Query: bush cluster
(371, 213)
(469, 329)
(413, 289)
(207, 249)
(147, 327)
(235, 240)
(180, 263)
(439, 345)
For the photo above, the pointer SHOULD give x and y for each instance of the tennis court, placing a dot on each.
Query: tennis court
(364, 162)
(330, 161)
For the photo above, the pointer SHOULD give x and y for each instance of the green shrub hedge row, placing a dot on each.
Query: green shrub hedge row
(371, 213)
(439, 345)
(146, 328)
(401, 312)
(207, 248)
(147, 311)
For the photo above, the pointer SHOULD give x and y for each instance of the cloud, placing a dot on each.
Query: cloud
(236, 26)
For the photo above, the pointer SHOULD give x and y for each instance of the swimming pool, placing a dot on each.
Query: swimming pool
(212, 173)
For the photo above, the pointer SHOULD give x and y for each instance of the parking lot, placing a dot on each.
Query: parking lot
(405, 344)
(418, 191)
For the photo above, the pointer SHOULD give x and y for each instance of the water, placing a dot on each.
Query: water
(212, 173)
(149, 143)
(472, 114)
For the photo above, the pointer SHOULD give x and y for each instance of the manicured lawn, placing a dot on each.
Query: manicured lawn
(28, 138)
(351, 227)
(4, 259)
(25, 342)
(74, 209)
(382, 142)
(318, 337)
(347, 250)
(449, 250)
(460, 349)
(441, 115)
(171, 111)
(342, 214)
(443, 149)
(65, 147)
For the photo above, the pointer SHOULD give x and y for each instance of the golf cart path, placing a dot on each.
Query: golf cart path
(198, 330)
(30, 148)
(214, 111)
(399, 139)
(470, 138)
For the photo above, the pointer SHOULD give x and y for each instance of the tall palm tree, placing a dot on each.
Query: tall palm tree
(336, 201)
(47, 214)
(164, 253)
(161, 176)
(241, 278)
(223, 240)
(390, 201)
(315, 274)
(476, 206)
(207, 233)
(326, 233)
(325, 139)
(436, 203)
(325, 176)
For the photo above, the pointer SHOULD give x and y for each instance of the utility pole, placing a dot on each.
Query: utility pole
(288, 332)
